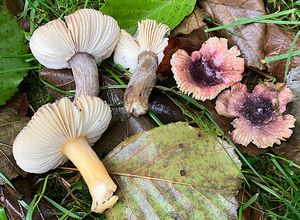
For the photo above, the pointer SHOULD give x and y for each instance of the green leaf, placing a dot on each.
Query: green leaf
(3, 214)
(10, 125)
(13, 68)
(174, 172)
(129, 12)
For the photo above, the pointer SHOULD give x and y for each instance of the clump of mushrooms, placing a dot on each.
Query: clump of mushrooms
(208, 71)
(141, 54)
(66, 130)
(259, 114)
(87, 38)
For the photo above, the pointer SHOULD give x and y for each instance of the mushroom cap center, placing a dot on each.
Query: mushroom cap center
(205, 73)
(258, 110)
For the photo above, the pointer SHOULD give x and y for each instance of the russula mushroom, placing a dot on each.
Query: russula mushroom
(141, 54)
(208, 71)
(259, 114)
(87, 38)
(66, 130)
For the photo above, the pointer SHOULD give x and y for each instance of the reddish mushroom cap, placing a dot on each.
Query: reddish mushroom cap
(208, 71)
(259, 113)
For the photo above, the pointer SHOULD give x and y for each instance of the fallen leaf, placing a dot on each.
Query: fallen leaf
(190, 23)
(12, 45)
(10, 125)
(174, 172)
(278, 41)
(19, 102)
(128, 12)
(291, 148)
(189, 42)
(249, 38)
(61, 78)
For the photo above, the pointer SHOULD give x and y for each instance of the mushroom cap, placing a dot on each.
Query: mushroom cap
(150, 36)
(86, 31)
(37, 148)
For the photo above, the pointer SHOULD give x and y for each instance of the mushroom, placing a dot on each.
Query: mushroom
(88, 38)
(209, 70)
(141, 54)
(65, 130)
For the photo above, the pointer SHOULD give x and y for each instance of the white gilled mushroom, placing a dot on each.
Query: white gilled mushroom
(65, 130)
(88, 38)
(141, 55)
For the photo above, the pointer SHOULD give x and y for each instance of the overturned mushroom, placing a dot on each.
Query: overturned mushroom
(65, 130)
(141, 55)
(88, 38)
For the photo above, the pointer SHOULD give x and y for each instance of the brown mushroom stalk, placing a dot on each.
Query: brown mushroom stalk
(86, 38)
(99, 182)
(136, 97)
(85, 73)
(142, 55)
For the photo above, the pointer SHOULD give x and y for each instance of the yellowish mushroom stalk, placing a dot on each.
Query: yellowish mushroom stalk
(66, 130)
(99, 182)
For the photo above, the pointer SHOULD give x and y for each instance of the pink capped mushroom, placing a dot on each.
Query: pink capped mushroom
(87, 38)
(208, 71)
(66, 130)
(259, 114)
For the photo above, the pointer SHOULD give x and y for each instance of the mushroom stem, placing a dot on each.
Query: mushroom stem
(85, 73)
(99, 182)
(136, 97)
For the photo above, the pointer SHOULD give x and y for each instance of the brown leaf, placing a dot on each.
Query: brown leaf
(189, 43)
(62, 79)
(20, 103)
(291, 148)
(190, 23)
(278, 41)
(10, 125)
(249, 38)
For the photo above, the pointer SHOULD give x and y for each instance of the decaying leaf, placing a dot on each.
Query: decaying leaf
(19, 102)
(249, 38)
(291, 148)
(61, 78)
(10, 125)
(278, 41)
(174, 172)
(190, 23)
(189, 42)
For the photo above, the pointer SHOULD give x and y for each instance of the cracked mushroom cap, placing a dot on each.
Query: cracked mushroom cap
(37, 148)
(86, 31)
(150, 36)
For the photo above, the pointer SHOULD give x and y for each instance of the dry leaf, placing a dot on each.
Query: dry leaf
(10, 125)
(61, 78)
(190, 23)
(249, 38)
(189, 43)
(278, 41)
(20, 103)
(291, 148)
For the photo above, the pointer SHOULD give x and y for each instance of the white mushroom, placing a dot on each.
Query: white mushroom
(141, 54)
(65, 130)
(88, 38)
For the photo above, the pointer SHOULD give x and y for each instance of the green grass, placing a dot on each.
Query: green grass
(272, 181)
